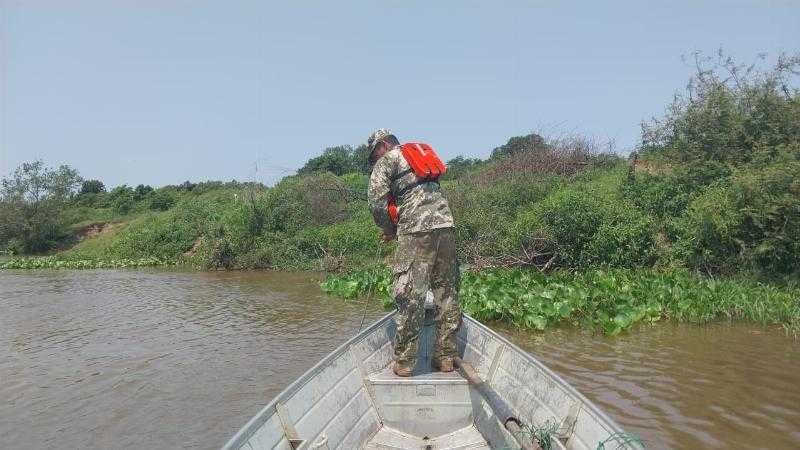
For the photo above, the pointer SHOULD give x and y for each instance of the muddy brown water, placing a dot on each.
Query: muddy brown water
(170, 359)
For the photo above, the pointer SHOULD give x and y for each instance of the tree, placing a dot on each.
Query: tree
(730, 114)
(359, 157)
(338, 160)
(141, 192)
(459, 165)
(187, 186)
(122, 199)
(519, 144)
(31, 203)
(92, 187)
(161, 200)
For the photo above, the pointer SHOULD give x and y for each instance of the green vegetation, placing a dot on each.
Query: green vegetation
(608, 300)
(51, 262)
(339, 160)
(721, 171)
(32, 200)
(701, 223)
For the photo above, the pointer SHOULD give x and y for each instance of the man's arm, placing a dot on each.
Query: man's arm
(380, 185)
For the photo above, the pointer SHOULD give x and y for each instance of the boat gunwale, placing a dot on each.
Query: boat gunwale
(586, 404)
(247, 431)
(267, 411)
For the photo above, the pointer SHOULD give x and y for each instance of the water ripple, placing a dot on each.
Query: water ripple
(154, 359)
(685, 386)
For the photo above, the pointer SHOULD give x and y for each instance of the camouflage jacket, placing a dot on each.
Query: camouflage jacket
(421, 207)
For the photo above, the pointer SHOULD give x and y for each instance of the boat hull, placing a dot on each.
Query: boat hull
(350, 400)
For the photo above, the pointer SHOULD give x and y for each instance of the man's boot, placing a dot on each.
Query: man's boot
(444, 364)
(401, 371)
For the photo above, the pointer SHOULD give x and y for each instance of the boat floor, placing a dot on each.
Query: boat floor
(431, 391)
(466, 438)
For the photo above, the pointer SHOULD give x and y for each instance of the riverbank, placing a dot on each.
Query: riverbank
(585, 219)
(702, 223)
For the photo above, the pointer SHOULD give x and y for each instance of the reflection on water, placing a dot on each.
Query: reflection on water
(160, 359)
(685, 386)
(154, 359)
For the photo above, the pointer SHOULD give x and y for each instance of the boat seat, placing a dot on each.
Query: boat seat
(425, 405)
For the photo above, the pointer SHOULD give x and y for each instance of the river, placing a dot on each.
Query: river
(174, 359)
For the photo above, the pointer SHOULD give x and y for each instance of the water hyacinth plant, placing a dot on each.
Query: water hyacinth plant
(611, 301)
(54, 262)
(374, 281)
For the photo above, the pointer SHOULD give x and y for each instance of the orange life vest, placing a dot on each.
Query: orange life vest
(425, 164)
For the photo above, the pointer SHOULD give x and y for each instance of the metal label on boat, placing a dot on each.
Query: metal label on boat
(426, 390)
(425, 413)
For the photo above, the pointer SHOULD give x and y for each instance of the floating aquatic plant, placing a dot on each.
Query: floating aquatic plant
(608, 300)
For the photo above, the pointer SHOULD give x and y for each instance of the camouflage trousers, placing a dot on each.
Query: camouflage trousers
(426, 261)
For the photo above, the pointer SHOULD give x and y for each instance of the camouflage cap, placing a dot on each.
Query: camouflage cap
(377, 136)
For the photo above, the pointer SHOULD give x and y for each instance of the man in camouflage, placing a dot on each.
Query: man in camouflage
(425, 259)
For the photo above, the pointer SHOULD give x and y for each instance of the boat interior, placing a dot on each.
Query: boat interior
(353, 400)
(429, 410)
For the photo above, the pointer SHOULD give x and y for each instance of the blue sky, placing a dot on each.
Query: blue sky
(158, 92)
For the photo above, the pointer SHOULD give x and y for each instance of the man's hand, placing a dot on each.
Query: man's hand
(388, 237)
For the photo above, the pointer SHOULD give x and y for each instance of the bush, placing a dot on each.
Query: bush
(161, 200)
(160, 236)
(121, 199)
(519, 144)
(459, 166)
(338, 160)
(730, 113)
(355, 240)
(750, 222)
(92, 187)
(661, 196)
(584, 228)
(625, 239)
(141, 192)
(286, 208)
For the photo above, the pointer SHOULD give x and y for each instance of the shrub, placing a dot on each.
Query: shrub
(161, 200)
(730, 114)
(750, 222)
(166, 236)
(585, 228)
(141, 192)
(92, 187)
(285, 207)
(769, 200)
(458, 166)
(338, 160)
(355, 240)
(519, 144)
(326, 198)
(122, 199)
(662, 196)
(624, 239)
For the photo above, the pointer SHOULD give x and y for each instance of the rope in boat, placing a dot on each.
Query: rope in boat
(543, 435)
(621, 439)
